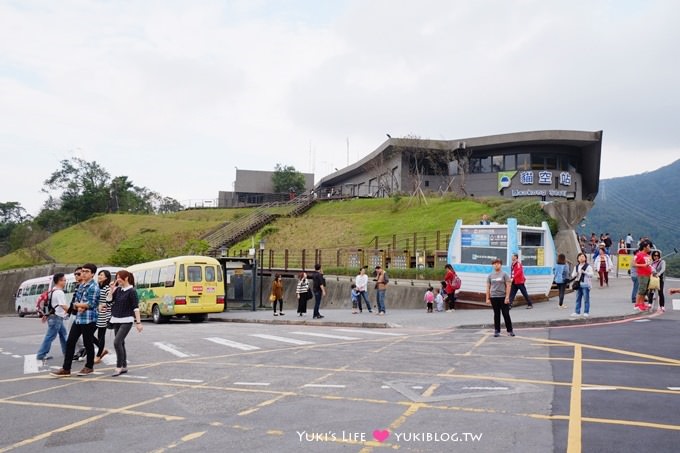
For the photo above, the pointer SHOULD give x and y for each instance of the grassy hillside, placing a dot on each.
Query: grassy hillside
(355, 223)
(98, 239)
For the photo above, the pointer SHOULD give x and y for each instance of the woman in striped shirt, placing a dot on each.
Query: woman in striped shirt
(104, 279)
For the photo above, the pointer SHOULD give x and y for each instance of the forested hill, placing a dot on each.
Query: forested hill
(647, 204)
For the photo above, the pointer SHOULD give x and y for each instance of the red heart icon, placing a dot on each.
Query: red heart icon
(381, 436)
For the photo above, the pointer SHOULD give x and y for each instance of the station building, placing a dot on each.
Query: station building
(548, 165)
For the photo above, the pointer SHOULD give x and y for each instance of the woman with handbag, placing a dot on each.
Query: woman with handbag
(583, 275)
(561, 277)
(658, 270)
(277, 294)
(603, 263)
(303, 292)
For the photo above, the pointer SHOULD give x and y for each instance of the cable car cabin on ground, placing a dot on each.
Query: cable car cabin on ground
(188, 286)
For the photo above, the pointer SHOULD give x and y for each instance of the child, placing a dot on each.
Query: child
(439, 299)
(429, 299)
(355, 299)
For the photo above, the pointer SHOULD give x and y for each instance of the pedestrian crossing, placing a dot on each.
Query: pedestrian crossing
(249, 342)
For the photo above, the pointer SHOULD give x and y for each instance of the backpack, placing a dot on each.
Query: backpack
(386, 279)
(457, 282)
(47, 309)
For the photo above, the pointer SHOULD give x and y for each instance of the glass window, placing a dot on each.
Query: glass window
(33, 290)
(551, 163)
(156, 278)
(497, 164)
(168, 276)
(219, 273)
(510, 162)
(195, 273)
(209, 273)
(19, 293)
(532, 239)
(181, 273)
(139, 279)
(523, 162)
(538, 162)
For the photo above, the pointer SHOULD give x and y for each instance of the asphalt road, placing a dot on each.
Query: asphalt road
(265, 388)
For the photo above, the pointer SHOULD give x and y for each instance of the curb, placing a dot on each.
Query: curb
(371, 325)
(561, 322)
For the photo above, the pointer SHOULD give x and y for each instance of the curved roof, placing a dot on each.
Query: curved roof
(590, 144)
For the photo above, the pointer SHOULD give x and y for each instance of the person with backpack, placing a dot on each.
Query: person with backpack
(452, 282)
(583, 274)
(561, 277)
(518, 281)
(54, 313)
(381, 281)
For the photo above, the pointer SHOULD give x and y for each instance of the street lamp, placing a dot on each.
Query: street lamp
(261, 268)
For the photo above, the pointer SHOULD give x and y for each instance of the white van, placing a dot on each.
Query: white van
(26, 299)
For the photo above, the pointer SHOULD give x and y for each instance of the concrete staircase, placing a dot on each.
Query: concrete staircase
(231, 233)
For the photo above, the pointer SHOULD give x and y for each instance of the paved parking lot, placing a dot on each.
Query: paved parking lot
(257, 387)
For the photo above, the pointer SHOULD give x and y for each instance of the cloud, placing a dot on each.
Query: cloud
(175, 94)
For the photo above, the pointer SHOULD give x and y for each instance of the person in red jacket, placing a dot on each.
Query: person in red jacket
(518, 280)
(451, 287)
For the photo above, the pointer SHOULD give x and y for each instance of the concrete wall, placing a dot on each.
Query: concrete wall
(10, 281)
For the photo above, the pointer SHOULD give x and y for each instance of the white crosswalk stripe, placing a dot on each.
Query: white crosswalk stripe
(172, 349)
(31, 364)
(110, 359)
(371, 332)
(232, 344)
(326, 335)
(282, 339)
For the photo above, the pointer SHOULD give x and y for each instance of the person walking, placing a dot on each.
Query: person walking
(498, 285)
(124, 311)
(633, 278)
(451, 287)
(381, 280)
(85, 324)
(277, 292)
(361, 281)
(54, 315)
(603, 263)
(103, 280)
(643, 263)
(303, 293)
(561, 277)
(583, 273)
(518, 281)
(658, 270)
(319, 289)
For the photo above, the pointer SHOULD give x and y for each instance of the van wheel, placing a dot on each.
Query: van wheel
(20, 313)
(157, 317)
(198, 318)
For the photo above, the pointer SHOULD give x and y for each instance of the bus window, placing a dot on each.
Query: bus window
(32, 291)
(156, 281)
(195, 273)
(42, 288)
(139, 279)
(167, 277)
(147, 278)
(181, 272)
(71, 287)
(209, 274)
(18, 293)
(219, 274)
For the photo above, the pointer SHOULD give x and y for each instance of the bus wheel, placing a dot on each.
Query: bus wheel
(198, 318)
(20, 313)
(156, 314)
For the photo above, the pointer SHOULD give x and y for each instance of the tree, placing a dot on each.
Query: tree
(287, 179)
(12, 216)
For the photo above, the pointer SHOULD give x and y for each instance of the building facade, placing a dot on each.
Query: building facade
(545, 165)
(253, 187)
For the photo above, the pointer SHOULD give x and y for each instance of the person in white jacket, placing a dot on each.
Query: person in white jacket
(602, 262)
(582, 273)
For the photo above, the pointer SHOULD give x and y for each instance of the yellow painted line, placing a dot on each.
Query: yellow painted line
(183, 440)
(275, 432)
(430, 391)
(478, 344)
(78, 424)
(169, 418)
(574, 436)
(613, 351)
(262, 404)
(607, 421)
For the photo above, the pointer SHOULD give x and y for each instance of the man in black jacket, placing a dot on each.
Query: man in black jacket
(318, 288)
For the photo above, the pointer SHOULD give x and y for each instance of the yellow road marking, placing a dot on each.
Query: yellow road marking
(607, 421)
(183, 440)
(574, 436)
(396, 424)
(168, 418)
(478, 344)
(263, 404)
(275, 432)
(430, 391)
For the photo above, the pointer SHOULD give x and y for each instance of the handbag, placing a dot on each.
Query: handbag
(654, 283)
(272, 298)
(576, 285)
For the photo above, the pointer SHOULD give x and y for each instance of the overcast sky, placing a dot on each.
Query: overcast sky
(176, 94)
